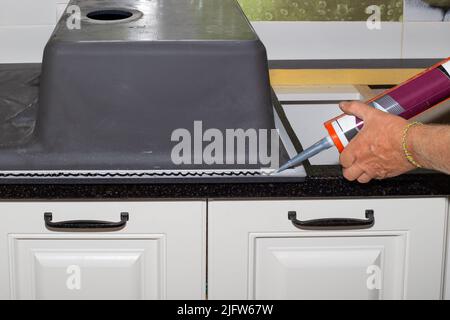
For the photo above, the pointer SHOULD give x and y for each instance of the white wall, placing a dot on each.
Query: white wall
(26, 25)
(329, 40)
(353, 40)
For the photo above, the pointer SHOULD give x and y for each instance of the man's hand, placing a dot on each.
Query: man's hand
(376, 151)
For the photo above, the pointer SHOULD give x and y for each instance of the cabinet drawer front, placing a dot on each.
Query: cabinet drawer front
(272, 216)
(160, 252)
(252, 243)
(144, 217)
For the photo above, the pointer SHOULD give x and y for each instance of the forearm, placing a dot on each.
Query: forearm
(430, 146)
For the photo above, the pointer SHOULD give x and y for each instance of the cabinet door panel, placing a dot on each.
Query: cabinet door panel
(59, 268)
(159, 254)
(255, 251)
(320, 268)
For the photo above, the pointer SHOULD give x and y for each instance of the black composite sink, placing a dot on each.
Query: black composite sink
(112, 92)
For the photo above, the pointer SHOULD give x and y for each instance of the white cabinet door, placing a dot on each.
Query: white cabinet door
(159, 254)
(80, 268)
(255, 251)
(327, 267)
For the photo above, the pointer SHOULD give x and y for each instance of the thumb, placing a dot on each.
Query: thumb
(356, 108)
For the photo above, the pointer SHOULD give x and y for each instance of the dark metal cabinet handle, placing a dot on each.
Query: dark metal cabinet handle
(333, 223)
(85, 224)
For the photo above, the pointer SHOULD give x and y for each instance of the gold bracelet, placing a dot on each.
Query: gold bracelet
(408, 154)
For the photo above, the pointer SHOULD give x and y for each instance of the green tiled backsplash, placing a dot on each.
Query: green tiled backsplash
(322, 10)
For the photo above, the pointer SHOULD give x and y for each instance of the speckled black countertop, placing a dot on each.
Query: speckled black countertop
(324, 183)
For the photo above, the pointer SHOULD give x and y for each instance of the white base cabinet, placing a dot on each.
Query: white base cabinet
(159, 254)
(255, 251)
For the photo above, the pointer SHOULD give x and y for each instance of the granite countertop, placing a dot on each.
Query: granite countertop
(322, 181)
